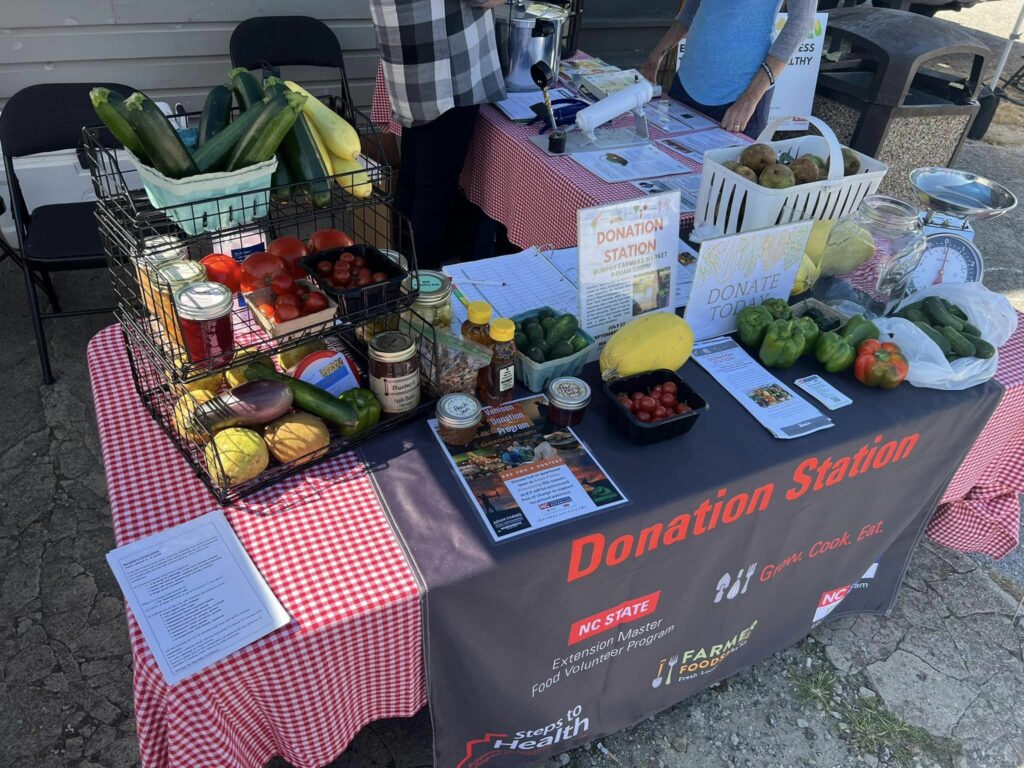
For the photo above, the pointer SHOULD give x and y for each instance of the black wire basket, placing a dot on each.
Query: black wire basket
(173, 404)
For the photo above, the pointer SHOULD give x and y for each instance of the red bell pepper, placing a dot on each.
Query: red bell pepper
(880, 364)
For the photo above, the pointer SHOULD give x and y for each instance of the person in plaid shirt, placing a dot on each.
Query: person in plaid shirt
(440, 61)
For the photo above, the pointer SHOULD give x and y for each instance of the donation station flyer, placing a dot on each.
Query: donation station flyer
(523, 474)
(780, 410)
(627, 261)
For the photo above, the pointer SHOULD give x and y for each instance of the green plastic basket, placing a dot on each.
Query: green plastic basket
(535, 376)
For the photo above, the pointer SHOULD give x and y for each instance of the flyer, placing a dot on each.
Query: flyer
(688, 185)
(739, 270)
(794, 87)
(523, 475)
(661, 110)
(628, 163)
(627, 256)
(694, 145)
(778, 408)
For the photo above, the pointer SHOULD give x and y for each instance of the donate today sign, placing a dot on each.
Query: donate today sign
(741, 270)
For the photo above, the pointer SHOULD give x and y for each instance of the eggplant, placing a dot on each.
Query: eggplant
(249, 404)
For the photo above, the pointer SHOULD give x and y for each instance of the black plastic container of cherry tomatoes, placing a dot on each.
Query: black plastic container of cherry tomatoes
(640, 432)
(361, 304)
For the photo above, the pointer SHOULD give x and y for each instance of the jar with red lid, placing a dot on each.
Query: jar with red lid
(204, 312)
(568, 398)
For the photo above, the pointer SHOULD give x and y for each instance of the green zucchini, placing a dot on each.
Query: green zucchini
(158, 137)
(109, 107)
(309, 398)
(260, 142)
(216, 113)
(961, 346)
(272, 85)
(214, 154)
(247, 88)
(300, 153)
(940, 340)
(281, 181)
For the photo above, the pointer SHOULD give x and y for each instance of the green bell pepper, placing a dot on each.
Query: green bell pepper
(783, 344)
(834, 352)
(751, 323)
(811, 332)
(858, 329)
(366, 405)
(779, 308)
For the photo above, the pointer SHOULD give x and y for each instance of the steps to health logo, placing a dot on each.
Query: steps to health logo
(528, 741)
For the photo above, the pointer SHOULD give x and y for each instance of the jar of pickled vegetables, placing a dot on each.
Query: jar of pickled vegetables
(170, 279)
(433, 303)
(157, 252)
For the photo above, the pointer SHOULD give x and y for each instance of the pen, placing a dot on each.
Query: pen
(491, 283)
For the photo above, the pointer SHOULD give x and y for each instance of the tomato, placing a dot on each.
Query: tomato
(667, 399)
(259, 270)
(647, 404)
(287, 298)
(283, 283)
(325, 239)
(363, 281)
(314, 302)
(682, 408)
(643, 416)
(348, 257)
(324, 268)
(291, 251)
(637, 396)
(286, 312)
(670, 386)
(378, 277)
(656, 392)
(660, 412)
(267, 310)
(360, 261)
(301, 290)
(221, 268)
(344, 280)
(365, 272)
(341, 268)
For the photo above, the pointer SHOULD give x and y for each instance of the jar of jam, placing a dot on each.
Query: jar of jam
(458, 417)
(204, 311)
(170, 279)
(478, 323)
(157, 252)
(433, 303)
(568, 398)
(394, 371)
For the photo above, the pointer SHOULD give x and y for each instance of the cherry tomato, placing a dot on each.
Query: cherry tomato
(379, 277)
(643, 416)
(670, 386)
(314, 302)
(324, 268)
(360, 261)
(656, 391)
(283, 283)
(286, 312)
(637, 396)
(343, 279)
(363, 281)
(268, 311)
(683, 408)
(221, 268)
(348, 256)
(667, 399)
(291, 251)
(660, 412)
(647, 404)
(259, 270)
(325, 239)
(365, 272)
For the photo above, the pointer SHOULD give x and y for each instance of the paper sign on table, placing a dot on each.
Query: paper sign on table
(627, 256)
(195, 593)
(687, 184)
(517, 106)
(628, 163)
(739, 270)
(778, 408)
(694, 145)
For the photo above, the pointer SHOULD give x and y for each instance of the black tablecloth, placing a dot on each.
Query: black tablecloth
(536, 645)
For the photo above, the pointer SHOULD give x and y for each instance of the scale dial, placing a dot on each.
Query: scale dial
(947, 259)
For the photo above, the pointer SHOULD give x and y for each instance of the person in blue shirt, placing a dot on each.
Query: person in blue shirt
(731, 63)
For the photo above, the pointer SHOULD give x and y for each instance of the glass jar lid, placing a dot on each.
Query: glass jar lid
(568, 393)
(458, 411)
(160, 250)
(181, 273)
(203, 301)
(434, 287)
(391, 347)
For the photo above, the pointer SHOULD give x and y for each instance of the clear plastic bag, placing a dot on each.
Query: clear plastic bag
(994, 316)
(451, 364)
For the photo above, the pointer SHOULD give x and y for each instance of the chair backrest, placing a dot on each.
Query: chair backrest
(288, 41)
(48, 117)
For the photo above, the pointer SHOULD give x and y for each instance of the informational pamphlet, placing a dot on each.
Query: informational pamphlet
(195, 593)
(523, 474)
(627, 257)
(794, 87)
(607, 83)
(580, 67)
(678, 113)
(694, 145)
(688, 185)
(517, 106)
(627, 163)
(778, 408)
(736, 271)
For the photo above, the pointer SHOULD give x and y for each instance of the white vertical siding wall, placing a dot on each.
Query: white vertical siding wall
(172, 49)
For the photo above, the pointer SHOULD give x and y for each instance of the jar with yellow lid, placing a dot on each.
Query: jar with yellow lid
(496, 381)
(170, 279)
(478, 323)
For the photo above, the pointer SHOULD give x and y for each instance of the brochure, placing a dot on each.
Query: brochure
(627, 256)
(694, 145)
(195, 593)
(778, 408)
(523, 475)
(605, 84)
(682, 114)
(517, 106)
(627, 163)
(688, 185)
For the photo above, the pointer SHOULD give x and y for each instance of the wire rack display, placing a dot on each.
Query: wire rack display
(173, 405)
(137, 237)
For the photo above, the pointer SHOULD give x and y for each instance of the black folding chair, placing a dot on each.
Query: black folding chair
(272, 42)
(62, 236)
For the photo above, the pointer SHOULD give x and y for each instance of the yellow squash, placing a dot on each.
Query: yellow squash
(647, 343)
(340, 138)
(352, 177)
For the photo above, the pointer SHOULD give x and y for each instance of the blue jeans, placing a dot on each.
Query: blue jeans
(716, 112)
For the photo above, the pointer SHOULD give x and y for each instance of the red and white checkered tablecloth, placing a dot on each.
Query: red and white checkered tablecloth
(534, 195)
(352, 652)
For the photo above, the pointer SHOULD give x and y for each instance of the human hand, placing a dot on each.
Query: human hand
(738, 114)
(649, 69)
